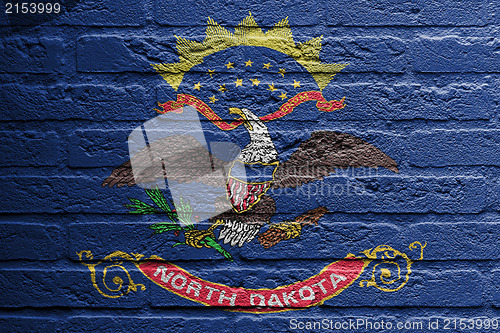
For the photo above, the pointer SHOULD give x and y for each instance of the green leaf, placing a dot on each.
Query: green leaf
(212, 243)
(164, 226)
(159, 199)
(184, 213)
(139, 207)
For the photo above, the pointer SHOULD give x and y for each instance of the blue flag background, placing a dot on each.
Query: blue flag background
(422, 86)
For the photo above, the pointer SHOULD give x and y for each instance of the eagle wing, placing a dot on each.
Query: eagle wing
(324, 152)
(180, 158)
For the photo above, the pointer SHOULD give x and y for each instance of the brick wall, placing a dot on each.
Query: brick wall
(422, 86)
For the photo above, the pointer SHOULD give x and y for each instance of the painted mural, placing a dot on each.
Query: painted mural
(227, 75)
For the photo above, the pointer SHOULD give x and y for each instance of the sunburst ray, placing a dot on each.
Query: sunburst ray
(248, 33)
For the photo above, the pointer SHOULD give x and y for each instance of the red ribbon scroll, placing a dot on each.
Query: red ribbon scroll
(328, 283)
(183, 99)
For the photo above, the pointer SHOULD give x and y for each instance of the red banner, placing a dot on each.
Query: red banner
(328, 283)
(183, 99)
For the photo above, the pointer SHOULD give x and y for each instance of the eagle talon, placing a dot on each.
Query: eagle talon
(195, 237)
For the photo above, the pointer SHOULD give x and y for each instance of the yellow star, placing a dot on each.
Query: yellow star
(239, 82)
(230, 65)
(255, 82)
(223, 88)
(271, 87)
(282, 72)
(197, 86)
(248, 63)
(268, 65)
(283, 95)
(211, 72)
(213, 99)
(296, 84)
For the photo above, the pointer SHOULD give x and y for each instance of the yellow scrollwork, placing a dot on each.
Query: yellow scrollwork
(388, 255)
(113, 260)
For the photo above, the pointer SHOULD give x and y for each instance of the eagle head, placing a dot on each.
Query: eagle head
(261, 148)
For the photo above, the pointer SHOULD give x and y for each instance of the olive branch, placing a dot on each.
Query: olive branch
(183, 214)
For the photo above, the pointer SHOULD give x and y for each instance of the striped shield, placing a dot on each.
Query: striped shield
(248, 182)
(244, 195)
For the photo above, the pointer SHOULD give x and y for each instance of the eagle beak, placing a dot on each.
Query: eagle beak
(240, 113)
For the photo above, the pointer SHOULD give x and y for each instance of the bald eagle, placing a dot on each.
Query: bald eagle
(250, 207)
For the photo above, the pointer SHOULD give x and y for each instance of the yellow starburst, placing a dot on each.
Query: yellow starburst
(211, 72)
(230, 65)
(271, 87)
(283, 95)
(255, 82)
(197, 86)
(223, 88)
(296, 84)
(248, 63)
(282, 72)
(239, 82)
(268, 65)
(213, 99)
(248, 33)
